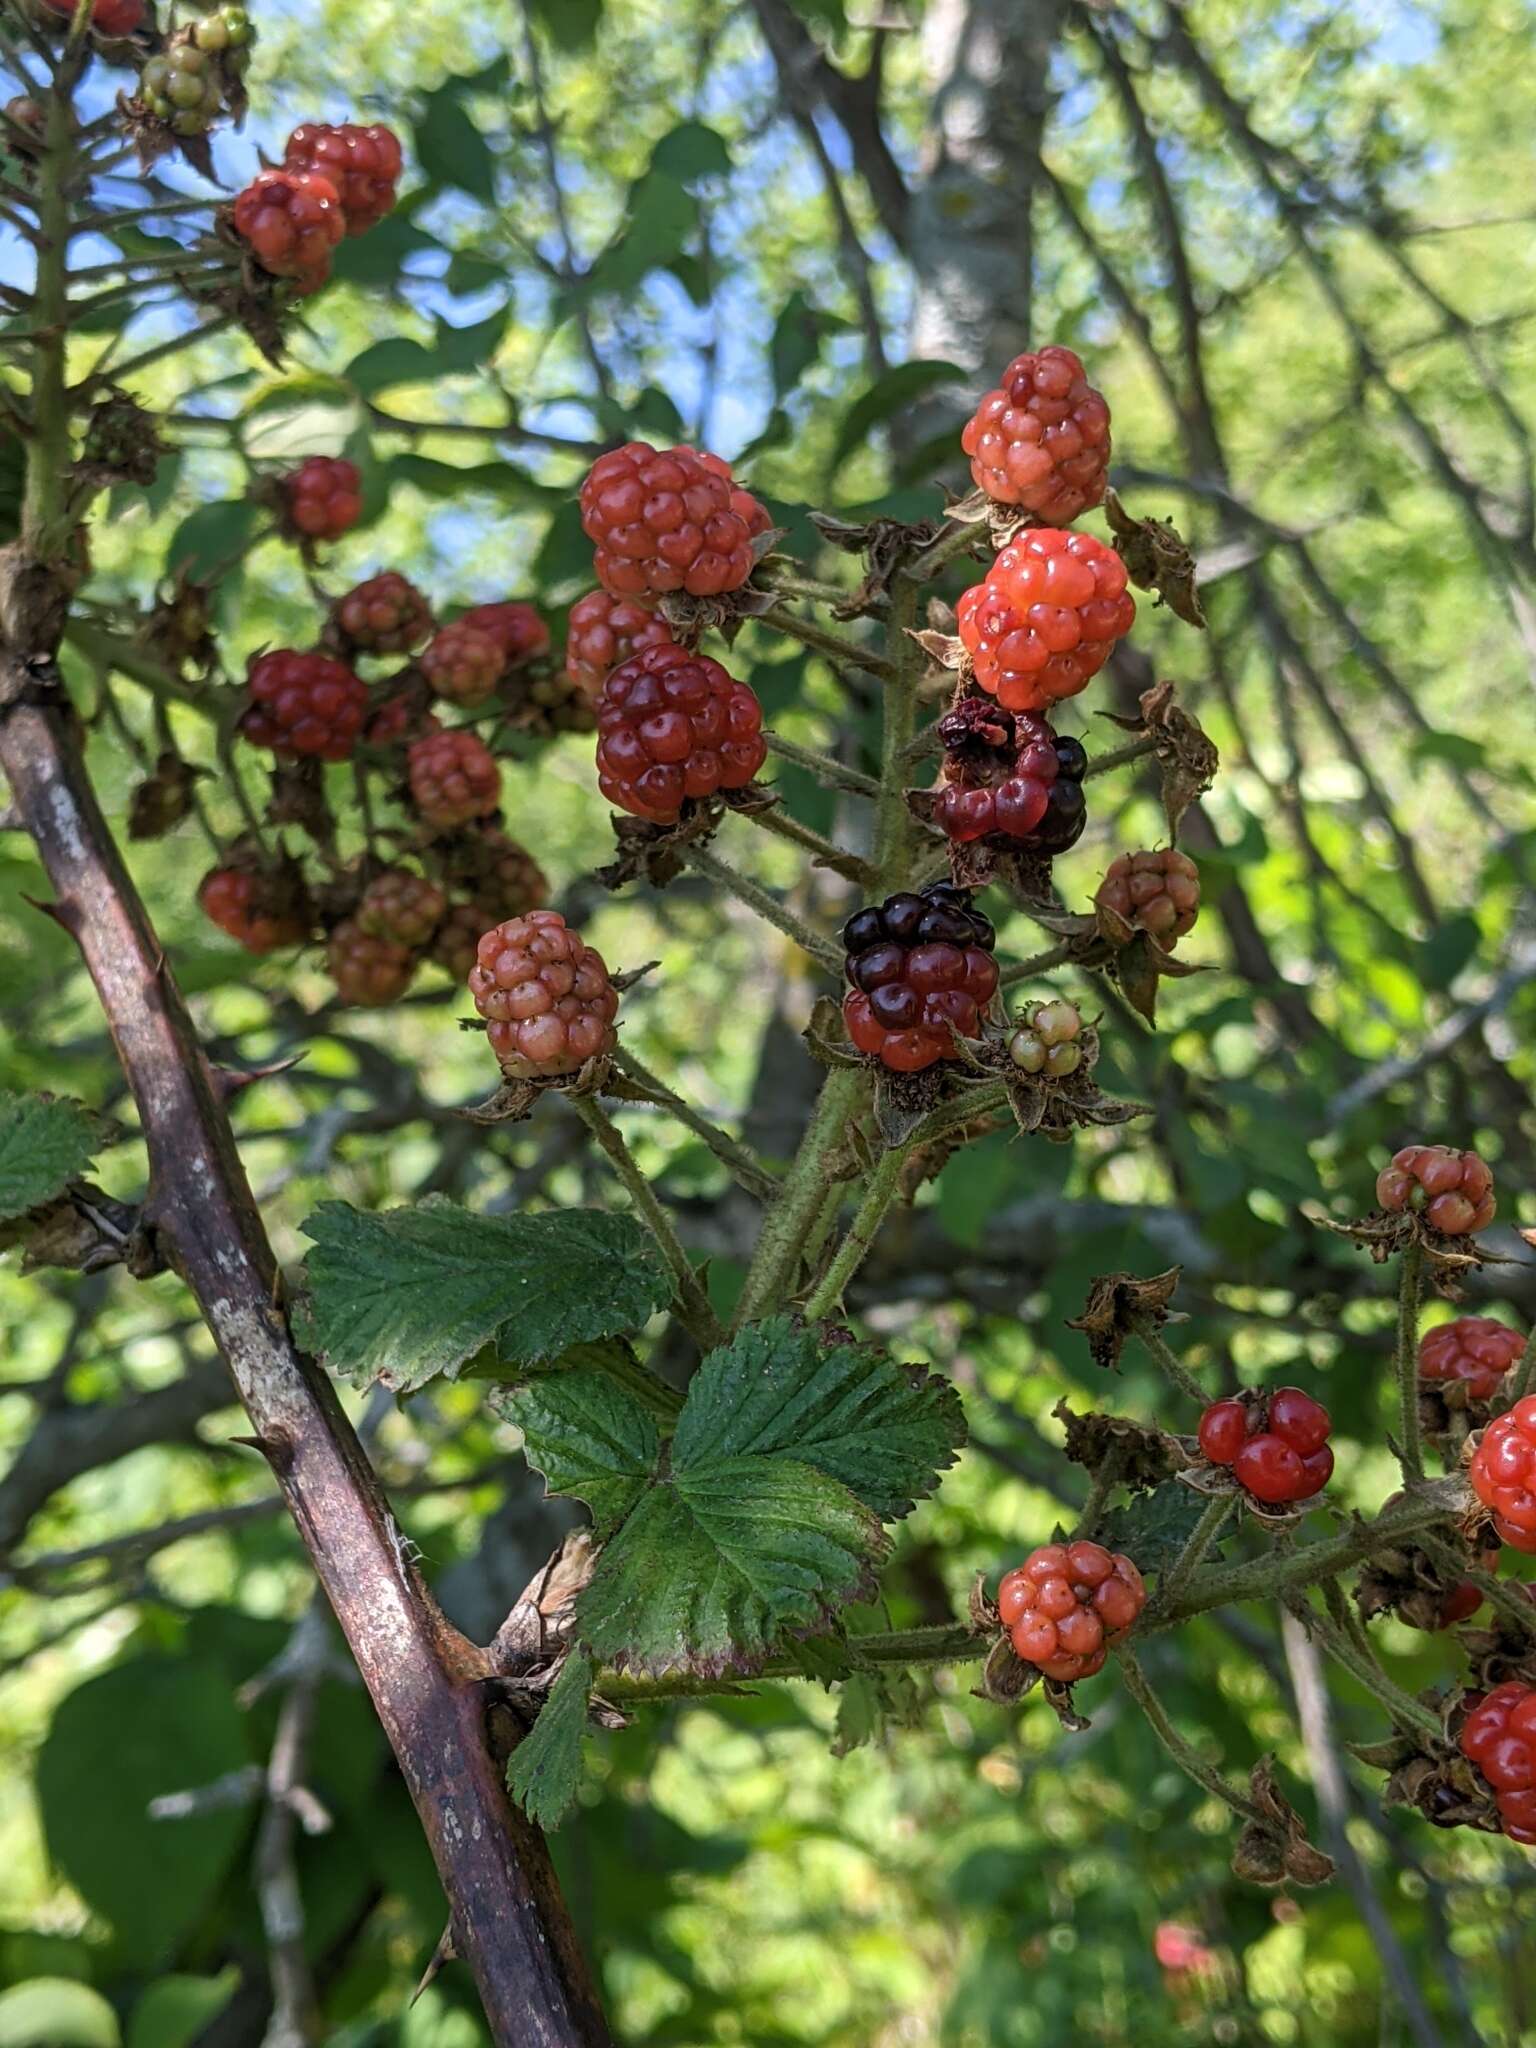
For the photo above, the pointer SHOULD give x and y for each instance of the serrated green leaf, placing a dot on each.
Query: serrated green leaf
(902, 386)
(544, 1771)
(714, 1566)
(404, 1295)
(885, 1430)
(1152, 1528)
(589, 1438)
(46, 1141)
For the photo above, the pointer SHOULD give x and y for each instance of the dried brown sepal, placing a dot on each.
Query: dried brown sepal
(1446, 1788)
(1406, 1581)
(1116, 1303)
(530, 1643)
(1005, 1677)
(692, 617)
(514, 1100)
(946, 650)
(887, 545)
(658, 853)
(161, 801)
(298, 798)
(84, 1231)
(902, 1101)
(1156, 557)
(1185, 754)
(1505, 1649)
(1058, 1697)
(1144, 1457)
(1278, 1837)
(1384, 1232)
(150, 138)
(247, 294)
(982, 1608)
(826, 1036)
(121, 445)
(179, 627)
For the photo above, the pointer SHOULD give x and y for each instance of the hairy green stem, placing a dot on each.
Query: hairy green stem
(1409, 1297)
(827, 852)
(744, 1163)
(1406, 1712)
(822, 951)
(955, 537)
(1192, 1556)
(1151, 1341)
(1184, 1754)
(1518, 1383)
(879, 1194)
(944, 1645)
(1118, 757)
(837, 647)
(833, 773)
(781, 1243)
(893, 820)
(1506, 1599)
(1038, 963)
(693, 1304)
(1103, 1484)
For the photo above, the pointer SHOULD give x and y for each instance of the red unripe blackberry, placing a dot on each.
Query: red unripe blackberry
(1452, 1190)
(361, 163)
(292, 220)
(1066, 1603)
(1473, 1351)
(674, 725)
(262, 912)
(1041, 439)
(1043, 622)
(665, 520)
(108, 17)
(1276, 1445)
(516, 628)
(1503, 1474)
(1009, 779)
(922, 970)
(1499, 1736)
(1464, 1598)
(1156, 892)
(453, 777)
(604, 630)
(400, 716)
(367, 971)
(545, 994)
(303, 706)
(323, 497)
(385, 615)
(462, 664)
(400, 906)
(508, 879)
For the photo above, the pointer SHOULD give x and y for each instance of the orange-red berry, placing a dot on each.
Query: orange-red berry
(1041, 439)
(545, 995)
(1044, 620)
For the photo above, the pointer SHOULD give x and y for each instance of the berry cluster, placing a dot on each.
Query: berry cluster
(184, 85)
(1276, 1445)
(604, 630)
(462, 664)
(453, 777)
(668, 520)
(1473, 1353)
(368, 971)
(323, 497)
(385, 615)
(545, 994)
(1046, 1041)
(1451, 1190)
(361, 164)
(673, 727)
(1066, 1604)
(1009, 779)
(517, 629)
(303, 706)
(259, 911)
(292, 221)
(1041, 440)
(402, 907)
(1156, 892)
(1503, 1474)
(922, 971)
(1499, 1736)
(1045, 618)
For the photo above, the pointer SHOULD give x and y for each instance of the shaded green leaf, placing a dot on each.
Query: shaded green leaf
(404, 1295)
(589, 1438)
(1152, 1528)
(899, 387)
(46, 1141)
(208, 537)
(692, 150)
(56, 2012)
(544, 1771)
(569, 23)
(661, 216)
(451, 149)
(173, 2012)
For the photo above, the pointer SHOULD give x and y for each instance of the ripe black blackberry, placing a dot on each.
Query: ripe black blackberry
(922, 970)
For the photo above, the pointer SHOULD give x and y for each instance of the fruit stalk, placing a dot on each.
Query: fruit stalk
(1409, 1297)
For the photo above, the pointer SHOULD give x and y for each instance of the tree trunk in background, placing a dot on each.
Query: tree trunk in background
(971, 242)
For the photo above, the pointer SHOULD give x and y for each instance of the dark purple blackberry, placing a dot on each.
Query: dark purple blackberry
(922, 970)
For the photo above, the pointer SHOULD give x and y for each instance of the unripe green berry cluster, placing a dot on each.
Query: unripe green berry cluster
(1046, 1041)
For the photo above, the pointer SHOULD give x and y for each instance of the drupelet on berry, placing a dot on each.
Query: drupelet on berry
(1157, 891)
(1499, 1736)
(1276, 1444)
(673, 726)
(385, 615)
(361, 163)
(453, 777)
(546, 996)
(1041, 439)
(604, 630)
(303, 705)
(1473, 1352)
(922, 970)
(1453, 1191)
(462, 664)
(1066, 1604)
(517, 629)
(1045, 619)
(1503, 1474)
(664, 520)
(323, 497)
(368, 971)
(291, 220)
